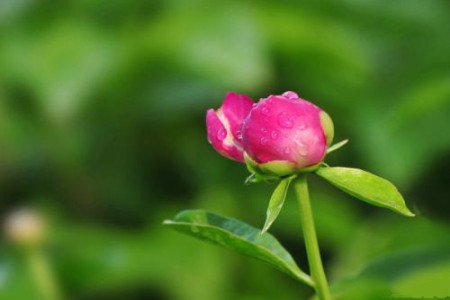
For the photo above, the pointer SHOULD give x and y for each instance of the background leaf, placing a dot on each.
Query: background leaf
(238, 236)
(417, 271)
(367, 187)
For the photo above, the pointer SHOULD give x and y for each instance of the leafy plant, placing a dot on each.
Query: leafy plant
(282, 138)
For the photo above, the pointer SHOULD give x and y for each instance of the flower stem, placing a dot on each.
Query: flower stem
(309, 234)
(42, 274)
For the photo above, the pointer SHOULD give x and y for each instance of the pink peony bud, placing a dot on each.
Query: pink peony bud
(224, 126)
(285, 134)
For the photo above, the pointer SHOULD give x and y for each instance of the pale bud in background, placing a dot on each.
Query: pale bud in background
(25, 227)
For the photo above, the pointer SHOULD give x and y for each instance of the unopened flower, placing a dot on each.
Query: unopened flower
(224, 125)
(285, 134)
(25, 227)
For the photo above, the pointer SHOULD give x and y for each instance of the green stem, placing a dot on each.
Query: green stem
(42, 275)
(309, 234)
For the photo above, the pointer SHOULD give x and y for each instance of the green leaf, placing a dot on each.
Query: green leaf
(276, 202)
(239, 236)
(367, 187)
(337, 146)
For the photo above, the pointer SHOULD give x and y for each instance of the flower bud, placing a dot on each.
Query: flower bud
(224, 126)
(25, 227)
(285, 134)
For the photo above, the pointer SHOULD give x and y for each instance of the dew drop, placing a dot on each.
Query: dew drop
(290, 95)
(285, 121)
(301, 125)
(274, 134)
(302, 150)
(264, 141)
(239, 134)
(221, 134)
(265, 111)
(263, 130)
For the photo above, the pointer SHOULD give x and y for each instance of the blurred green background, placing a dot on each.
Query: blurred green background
(102, 107)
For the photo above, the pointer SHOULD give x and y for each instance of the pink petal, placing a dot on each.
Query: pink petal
(279, 128)
(235, 108)
(217, 133)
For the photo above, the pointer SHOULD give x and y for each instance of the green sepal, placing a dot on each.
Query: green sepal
(276, 202)
(310, 169)
(273, 170)
(254, 178)
(278, 168)
(267, 171)
(252, 166)
(327, 126)
(337, 146)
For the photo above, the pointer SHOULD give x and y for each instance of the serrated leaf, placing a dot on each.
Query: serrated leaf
(367, 187)
(276, 202)
(238, 236)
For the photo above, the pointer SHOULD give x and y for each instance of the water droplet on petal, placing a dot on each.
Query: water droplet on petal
(302, 150)
(285, 121)
(221, 134)
(301, 125)
(265, 111)
(239, 134)
(263, 130)
(290, 95)
(274, 134)
(264, 141)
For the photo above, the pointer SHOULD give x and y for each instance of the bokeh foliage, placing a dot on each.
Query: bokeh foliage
(102, 109)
